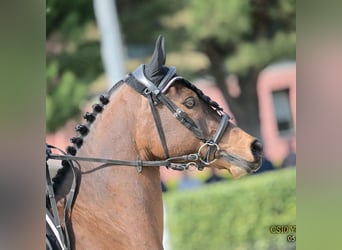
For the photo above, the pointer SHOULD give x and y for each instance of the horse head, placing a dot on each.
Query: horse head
(196, 124)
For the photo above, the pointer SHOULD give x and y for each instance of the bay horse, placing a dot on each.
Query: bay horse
(152, 118)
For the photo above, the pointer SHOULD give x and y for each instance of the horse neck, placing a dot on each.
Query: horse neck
(122, 206)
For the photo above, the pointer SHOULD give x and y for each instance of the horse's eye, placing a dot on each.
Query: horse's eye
(189, 102)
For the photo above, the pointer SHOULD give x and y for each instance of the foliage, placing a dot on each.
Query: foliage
(235, 214)
(68, 17)
(72, 59)
(228, 25)
(68, 24)
(242, 37)
(224, 21)
(260, 53)
(235, 36)
(142, 21)
(69, 93)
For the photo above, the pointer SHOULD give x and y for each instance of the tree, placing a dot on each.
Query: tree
(142, 21)
(73, 58)
(237, 36)
(241, 37)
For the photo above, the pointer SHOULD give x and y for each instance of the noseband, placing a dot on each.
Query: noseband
(156, 95)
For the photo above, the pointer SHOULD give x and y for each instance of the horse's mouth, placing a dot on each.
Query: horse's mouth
(238, 166)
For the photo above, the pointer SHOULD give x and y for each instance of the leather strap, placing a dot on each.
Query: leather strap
(53, 205)
(69, 201)
(158, 124)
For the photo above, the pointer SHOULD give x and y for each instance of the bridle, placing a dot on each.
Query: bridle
(156, 95)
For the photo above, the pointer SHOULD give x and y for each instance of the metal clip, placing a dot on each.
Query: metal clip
(191, 166)
(178, 113)
(178, 167)
(193, 157)
(147, 91)
(139, 165)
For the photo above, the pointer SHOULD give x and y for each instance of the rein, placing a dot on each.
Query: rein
(190, 158)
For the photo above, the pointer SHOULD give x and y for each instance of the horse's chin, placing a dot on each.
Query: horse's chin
(238, 168)
(237, 172)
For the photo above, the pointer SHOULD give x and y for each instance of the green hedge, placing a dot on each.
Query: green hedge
(236, 214)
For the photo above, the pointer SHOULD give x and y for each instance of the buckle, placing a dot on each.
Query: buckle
(139, 165)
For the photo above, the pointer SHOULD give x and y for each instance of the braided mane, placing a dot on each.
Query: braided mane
(204, 97)
(83, 129)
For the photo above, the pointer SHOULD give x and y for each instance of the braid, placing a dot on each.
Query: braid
(84, 129)
(60, 176)
(204, 97)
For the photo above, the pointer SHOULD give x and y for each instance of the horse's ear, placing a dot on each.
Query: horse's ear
(154, 69)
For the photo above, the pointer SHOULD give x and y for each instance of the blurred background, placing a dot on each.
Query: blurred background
(241, 53)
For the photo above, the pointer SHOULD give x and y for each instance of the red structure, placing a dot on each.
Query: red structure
(276, 89)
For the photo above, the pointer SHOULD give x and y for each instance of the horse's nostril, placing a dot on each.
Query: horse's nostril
(256, 148)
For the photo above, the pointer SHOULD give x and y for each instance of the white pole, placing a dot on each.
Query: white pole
(111, 43)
